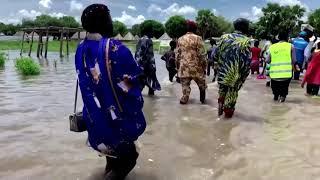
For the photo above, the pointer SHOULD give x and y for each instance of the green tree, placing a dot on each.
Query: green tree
(156, 28)
(223, 26)
(46, 20)
(314, 20)
(119, 28)
(206, 23)
(176, 26)
(279, 18)
(10, 30)
(69, 21)
(2, 27)
(28, 23)
(135, 30)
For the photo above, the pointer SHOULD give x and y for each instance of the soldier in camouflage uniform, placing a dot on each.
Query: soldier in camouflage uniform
(191, 62)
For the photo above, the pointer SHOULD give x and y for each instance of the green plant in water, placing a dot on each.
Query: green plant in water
(26, 66)
(2, 60)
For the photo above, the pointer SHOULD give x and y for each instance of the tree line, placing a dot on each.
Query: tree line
(40, 21)
(209, 25)
(275, 18)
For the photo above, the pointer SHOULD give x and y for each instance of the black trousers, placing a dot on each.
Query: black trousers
(118, 168)
(215, 71)
(297, 73)
(313, 89)
(280, 88)
(172, 73)
(209, 68)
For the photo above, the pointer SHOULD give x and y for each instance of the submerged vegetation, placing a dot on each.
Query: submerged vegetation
(2, 60)
(26, 66)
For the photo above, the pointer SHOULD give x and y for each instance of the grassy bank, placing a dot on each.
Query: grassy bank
(54, 46)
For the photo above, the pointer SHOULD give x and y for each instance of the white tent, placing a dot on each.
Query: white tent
(83, 35)
(19, 33)
(34, 35)
(129, 37)
(165, 36)
(136, 37)
(118, 37)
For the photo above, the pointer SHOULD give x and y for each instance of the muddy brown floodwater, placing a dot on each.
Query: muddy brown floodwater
(264, 141)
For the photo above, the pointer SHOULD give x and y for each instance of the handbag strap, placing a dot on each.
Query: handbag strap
(76, 97)
(108, 64)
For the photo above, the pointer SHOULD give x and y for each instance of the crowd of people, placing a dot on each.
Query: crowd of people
(111, 80)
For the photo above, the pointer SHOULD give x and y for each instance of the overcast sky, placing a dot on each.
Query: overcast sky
(135, 11)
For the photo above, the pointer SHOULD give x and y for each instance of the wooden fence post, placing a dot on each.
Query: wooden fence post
(68, 32)
(31, 44)
(41, 44)
(47, 42)
(38, 49)
(61, 42)
(79, 37)
(24, 33)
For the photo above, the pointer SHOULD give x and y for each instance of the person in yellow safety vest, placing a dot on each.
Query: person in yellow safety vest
(282, 59)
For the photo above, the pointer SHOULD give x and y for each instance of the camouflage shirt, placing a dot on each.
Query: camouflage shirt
(191, 56)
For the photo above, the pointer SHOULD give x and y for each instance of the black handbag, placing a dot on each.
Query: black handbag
(77, 123)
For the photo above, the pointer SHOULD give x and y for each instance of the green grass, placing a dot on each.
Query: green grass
(132, 45)
(26, 66)
(2, 60)
(53, 46)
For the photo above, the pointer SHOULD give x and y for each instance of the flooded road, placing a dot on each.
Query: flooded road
(264, 141)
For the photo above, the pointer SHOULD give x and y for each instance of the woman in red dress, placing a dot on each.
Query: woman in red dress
(312, 77)
(255, 54)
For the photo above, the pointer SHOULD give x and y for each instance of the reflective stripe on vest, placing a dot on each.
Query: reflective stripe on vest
(280, 66)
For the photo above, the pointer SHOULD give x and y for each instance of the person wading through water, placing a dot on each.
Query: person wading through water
(108, 79)
(192, 63)
(282, 58)
(233, 55)
(170, 58)
(212, 62)
(145, 58)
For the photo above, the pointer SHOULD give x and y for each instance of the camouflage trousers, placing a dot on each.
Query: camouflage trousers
(228, 96)
(186, 89)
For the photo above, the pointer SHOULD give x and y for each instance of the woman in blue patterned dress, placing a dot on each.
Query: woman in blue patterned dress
(108, 79)
(233, 55)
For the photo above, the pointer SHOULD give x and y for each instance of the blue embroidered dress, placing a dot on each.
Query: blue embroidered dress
(104, 130)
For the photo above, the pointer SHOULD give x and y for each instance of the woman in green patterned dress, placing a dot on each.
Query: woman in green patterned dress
(233, 55)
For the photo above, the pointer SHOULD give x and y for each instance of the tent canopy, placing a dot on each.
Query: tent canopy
(165, 36)
(83, 35)
(34, 35)
(129, 37)
(118, 37)
(19, 33)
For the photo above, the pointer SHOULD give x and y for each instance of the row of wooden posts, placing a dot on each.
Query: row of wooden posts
(44, 46)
